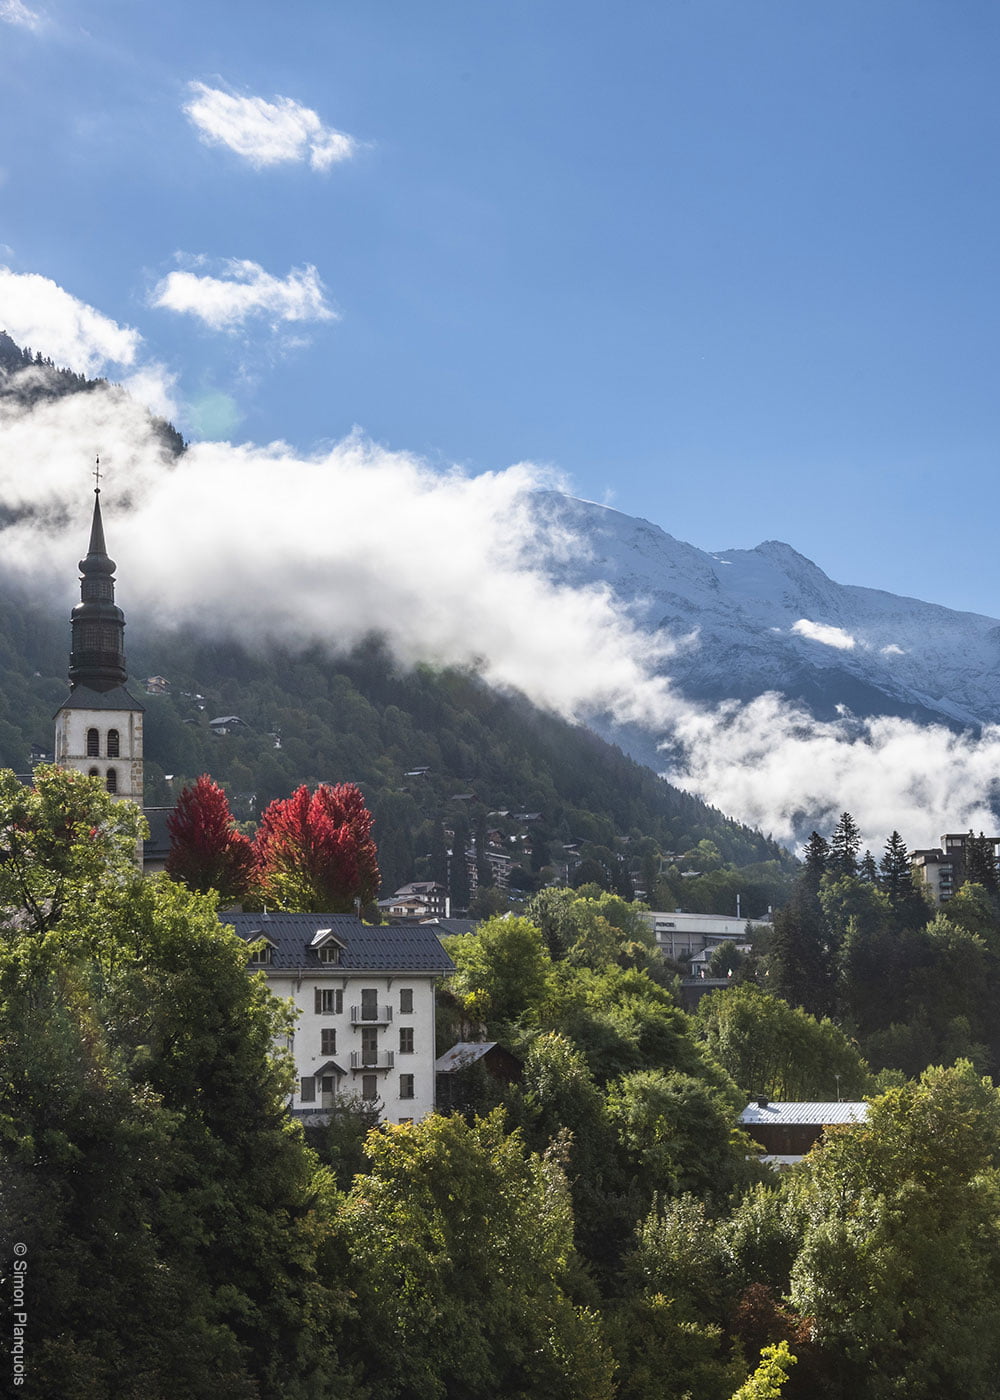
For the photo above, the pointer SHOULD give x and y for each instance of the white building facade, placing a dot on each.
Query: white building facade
(364, 994)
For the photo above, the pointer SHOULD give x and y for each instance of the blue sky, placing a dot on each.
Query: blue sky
(729, 266)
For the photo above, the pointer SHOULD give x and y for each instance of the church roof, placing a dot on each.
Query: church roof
(81, 697)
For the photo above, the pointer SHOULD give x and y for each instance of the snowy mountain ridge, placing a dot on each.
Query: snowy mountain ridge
(769, 619)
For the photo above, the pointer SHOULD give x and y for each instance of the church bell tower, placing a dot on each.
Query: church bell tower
(99, 725)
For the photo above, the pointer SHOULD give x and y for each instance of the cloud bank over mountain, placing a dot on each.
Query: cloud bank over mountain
(262, 541)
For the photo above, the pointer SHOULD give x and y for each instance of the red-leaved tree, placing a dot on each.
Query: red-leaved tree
(207, 852)
(315, 851)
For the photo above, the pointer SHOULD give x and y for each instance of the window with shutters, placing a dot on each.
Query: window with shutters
(406, 1000)
(113, 743)
(369, 1045)
(369, 1003)
(369, 1087)
(307, 1091)
(329, 1001)
(93, 743)
(406, 1040)
(406, 1086)
(328, 1042)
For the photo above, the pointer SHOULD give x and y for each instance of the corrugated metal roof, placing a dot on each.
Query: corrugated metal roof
(819, 1114)
(466, 1052)
(365, 947)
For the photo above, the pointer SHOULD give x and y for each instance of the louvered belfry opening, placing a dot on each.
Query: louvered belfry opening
(97, 660)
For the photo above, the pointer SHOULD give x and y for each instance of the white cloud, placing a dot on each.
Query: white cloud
(16, 12)
(155, 386)
(773, 765)
(893, 650)
(36, 311)
(325, 548)
(266, 133)
(225, 303)
(829, 636)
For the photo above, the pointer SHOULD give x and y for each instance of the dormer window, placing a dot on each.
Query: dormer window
(261, 952)
(327, 948)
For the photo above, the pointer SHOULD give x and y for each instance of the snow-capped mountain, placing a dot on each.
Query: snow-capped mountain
(769, 619)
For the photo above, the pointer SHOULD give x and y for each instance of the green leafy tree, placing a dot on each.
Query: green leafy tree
(677, 1133)
(503, 971)
(146, 1159)
(768, 1381)
(771, 1048)
(61, 840)
(900, 1262)
(459, 1247)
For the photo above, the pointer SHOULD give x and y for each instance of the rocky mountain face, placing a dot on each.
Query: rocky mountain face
(756, 620)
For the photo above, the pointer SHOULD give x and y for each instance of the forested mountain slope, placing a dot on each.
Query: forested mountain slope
(307, 718)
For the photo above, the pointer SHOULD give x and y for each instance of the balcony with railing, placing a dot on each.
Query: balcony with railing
(372, 1059)
(371, 1015)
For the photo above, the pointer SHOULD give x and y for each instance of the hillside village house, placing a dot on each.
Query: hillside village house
(365, 993)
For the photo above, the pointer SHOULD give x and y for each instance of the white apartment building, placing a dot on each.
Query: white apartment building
(365, 998)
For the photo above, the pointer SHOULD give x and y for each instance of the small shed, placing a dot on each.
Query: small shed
(452, 1070)
(787, 1131)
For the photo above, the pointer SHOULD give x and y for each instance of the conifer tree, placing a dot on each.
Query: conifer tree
(895, 869)
(981, 863)
(909, 906)
(868, 870)
(816, 857)
(798, 961)
(844, 846)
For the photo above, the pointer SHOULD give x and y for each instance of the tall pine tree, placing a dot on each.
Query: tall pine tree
(844, 846)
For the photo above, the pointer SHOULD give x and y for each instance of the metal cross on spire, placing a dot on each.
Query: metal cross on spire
(97, 473)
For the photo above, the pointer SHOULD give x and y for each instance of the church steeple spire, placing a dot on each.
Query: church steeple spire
(97, 660)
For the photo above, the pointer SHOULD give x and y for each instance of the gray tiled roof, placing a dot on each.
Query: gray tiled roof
(81, 697)
(366, 947)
